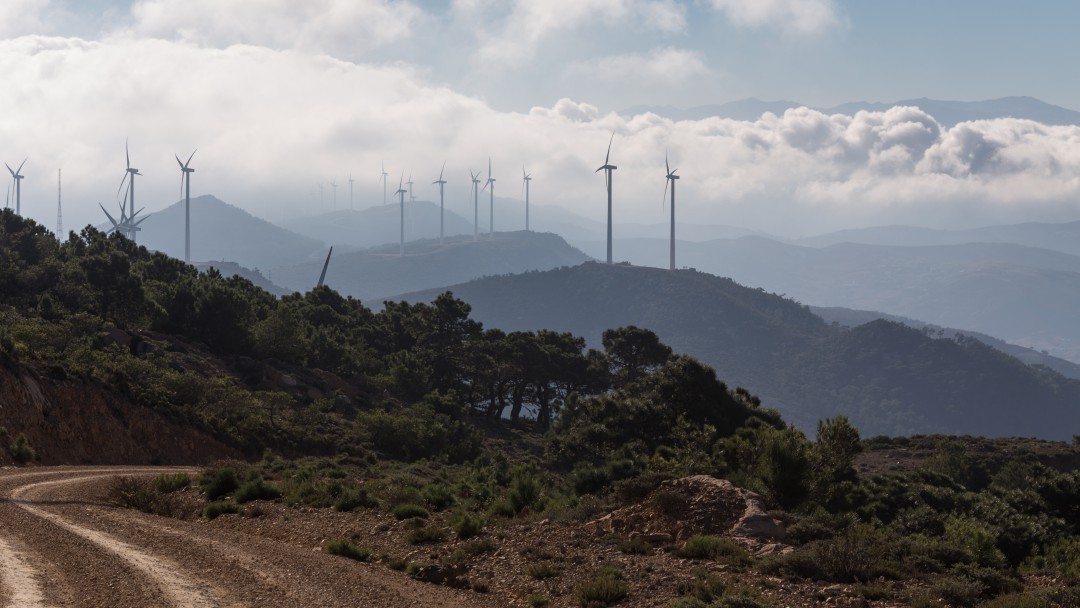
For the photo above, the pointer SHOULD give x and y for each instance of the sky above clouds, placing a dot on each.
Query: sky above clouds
(280, 95)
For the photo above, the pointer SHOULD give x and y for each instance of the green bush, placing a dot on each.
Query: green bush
(409, 511)
(419, 536)
(1064, 556)
(132, 493)
(218, 483)
(537, 600)
(701, 546)
(438, 496)
(21, 452)
(221, 507)
(172, 482)
(958, 591)
(635, 547)
(599, 591)
(705, 587)
(543, 570)
(503, 508)
(257, 489)
(347, 548)
(465, 524)
(353, 498)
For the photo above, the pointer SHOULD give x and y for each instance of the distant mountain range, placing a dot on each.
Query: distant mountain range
(220, 231)
(380, 225)
(889, 378)
(948, 113)
(1023, 295)
(380, 272)
(1064, 237)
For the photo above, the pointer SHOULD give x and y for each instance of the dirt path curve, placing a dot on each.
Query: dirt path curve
(63, 545)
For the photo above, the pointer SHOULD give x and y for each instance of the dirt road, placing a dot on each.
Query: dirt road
(62, 544)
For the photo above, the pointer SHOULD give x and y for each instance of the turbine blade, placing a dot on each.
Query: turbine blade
(190, 157)
(666, 165)
(141, 220)
(664, 204)
(9, 169)
(127, 156)
(607, 158)
(442, 170)
(19, 170)
(122, 181)
(178, 161)
(115, 225)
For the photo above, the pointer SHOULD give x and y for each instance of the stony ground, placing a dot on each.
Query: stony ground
(63, 544)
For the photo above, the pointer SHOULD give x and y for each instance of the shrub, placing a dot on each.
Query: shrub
(132, 493)
(21, 452)
(701, 546)
(172, 482)
(221, 507)
(414, 568)
(465, 524)
(635, 547)
(420, 536)
(1018, 600)
(524, 488)
(537, 600)
(353, 498)
(1064, 556)
(257, 489)
(345, 548)
(503, 508)
(599, 591)
(542, 570)
(706, 587)
(438, 496)
(218, 483)
(669, 503)
(408, 511)
(958, 591)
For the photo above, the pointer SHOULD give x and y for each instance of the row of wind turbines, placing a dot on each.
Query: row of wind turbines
(129, 221)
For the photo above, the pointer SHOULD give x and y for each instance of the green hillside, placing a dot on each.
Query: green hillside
(888, 378)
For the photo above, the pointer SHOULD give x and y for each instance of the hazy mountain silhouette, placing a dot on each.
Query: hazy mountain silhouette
(379, 225)
(379, 272)
(220, 231)
(888, 378)
(948, 113)
(1023, 295)
(848, 317)
(1064, 237)
(231, 269)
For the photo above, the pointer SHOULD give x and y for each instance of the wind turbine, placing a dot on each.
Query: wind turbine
(412, 199)
(326, 264)
(16, 175)
(351, 180)
(401, 191)
(185, 189)
(442, 184)
(384, 176)
(476, 205)
(525, 179)
(491, 204)
(333, 199)
(128, 225)
(322, 198)
(607, 168)
(671, 177)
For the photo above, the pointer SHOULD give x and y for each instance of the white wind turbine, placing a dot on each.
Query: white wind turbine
(401, 191)
(16, 176)
(671, 177)
(476, 204)
(491, 204)
(442, 215)
(384, 176)
(607, 168)
(525, 179)
(128, 225)
(185, 190)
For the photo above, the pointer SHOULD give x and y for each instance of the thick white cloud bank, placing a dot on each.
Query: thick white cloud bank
(271, 124)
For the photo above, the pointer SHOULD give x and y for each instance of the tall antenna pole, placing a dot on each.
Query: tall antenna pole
(187, 216)
(59, 210)
(672, 178)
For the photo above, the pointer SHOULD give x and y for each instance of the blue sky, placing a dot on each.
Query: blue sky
(281, 95)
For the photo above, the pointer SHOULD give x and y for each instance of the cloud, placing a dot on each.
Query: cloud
(531, 23)
(793, 16)
(28, 17)
(343, 28)
(663, 66)
(271, 124)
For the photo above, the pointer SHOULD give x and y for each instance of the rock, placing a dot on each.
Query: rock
(288, 380)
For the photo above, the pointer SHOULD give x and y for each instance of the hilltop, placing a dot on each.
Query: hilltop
(220, 231)
(380, 271)
(379, 225)
(888, 378)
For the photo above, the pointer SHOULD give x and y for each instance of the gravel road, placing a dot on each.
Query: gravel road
(63, 545)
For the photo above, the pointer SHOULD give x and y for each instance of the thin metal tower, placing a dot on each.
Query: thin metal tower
(401, 192)
(476, 205)
(442, 213)
(525, 179)
(671, 177)
(351, 180)
(607, 168)
(491, 203)
(59, 209)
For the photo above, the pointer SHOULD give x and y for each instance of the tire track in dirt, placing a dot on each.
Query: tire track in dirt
(22, 578)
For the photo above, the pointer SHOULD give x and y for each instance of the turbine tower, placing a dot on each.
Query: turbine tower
(442, 184)
(16, 175)
(491, 203)
(412, 199)
(185, 190)
(671, 177)
(607, 168)
(59, 209)
(333, 197)
(384, 176)
(351, 180)
(525, 179)
(322, 197)
(401, 191)
(476, 205)
(128, 226)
